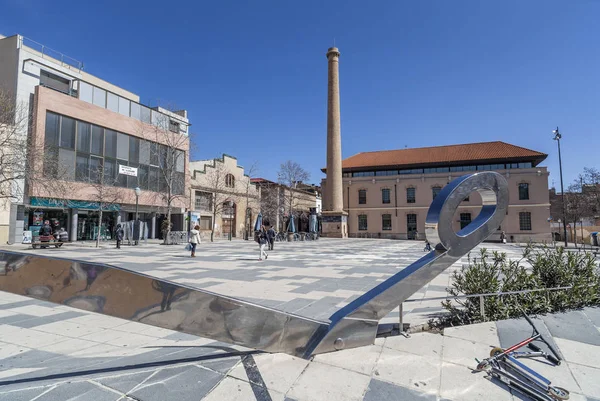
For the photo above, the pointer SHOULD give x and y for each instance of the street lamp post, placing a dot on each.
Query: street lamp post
(231, 222)
(582, 241)
(557, 137)
(138, 192)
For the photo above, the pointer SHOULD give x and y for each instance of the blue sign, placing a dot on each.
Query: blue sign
(72, 204)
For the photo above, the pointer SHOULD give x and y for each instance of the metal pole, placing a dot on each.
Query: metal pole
(562, 190)
(231, 221)
(482, 307)
(582, 241)
(136, 217)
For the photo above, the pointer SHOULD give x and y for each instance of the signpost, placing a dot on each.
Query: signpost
(126, 170)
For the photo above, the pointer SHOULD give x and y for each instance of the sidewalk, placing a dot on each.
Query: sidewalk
(50, 352)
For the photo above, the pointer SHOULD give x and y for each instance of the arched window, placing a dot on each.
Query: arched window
(229, 181)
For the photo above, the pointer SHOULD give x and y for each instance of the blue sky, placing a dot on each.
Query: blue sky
(253, 74)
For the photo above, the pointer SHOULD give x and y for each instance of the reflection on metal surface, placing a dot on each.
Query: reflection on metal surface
(137, 297)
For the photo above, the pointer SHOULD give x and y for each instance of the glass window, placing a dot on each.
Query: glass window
(174, 126)
(205, 222)
(82, 168)
(145, 114)
(230, 181)
(143, 177)
(362, 222)
(410, 195)
(110, 171)
(134, 149)
(428, 170)
(96, 172)
(97, 140)
(67, 133)
(386, 222)
(523, 191)
(525, 221)
(99, 97)
(112, 102)
(83, 137)
(144, 152)
(153, 179)
(52, 126)
(154, 154)
(66, 160)
(136, 111)
(160, 120)
(385, 195)
(178, 183)
(121, 180)
(110, 143)
(132, 181)
(465, 220)
(124, 106)
(122, 146)
(86, 92)
(435, 191)
(180, 161)
(442, 169)
(362, 196)
(203, 201)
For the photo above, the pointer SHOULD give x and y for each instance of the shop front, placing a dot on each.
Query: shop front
(81, 219)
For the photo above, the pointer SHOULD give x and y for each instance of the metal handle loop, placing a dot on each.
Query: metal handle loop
(493, 189)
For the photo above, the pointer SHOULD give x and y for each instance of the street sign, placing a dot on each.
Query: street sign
(126, 170)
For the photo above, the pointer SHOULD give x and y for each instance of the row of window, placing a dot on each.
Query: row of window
(108, 100)
(435, 191)
(90, 153)
(452, 169)
(411, 221)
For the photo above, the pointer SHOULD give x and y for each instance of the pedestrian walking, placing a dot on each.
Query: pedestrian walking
(427, 246)
(503, 237)
(271, 237)
(195, 239)
(119, 235)
(262, 241)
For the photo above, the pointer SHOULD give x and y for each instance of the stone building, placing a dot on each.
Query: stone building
(222, 196)
(278, 201)
(87, 125)
(387, 193)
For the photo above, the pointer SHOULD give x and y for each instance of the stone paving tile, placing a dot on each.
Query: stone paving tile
(321, 382)
(574, 325)
(22, 395)
(185, 383)
(514, 331)
(416, 372)
(82, 391)
(382, 391)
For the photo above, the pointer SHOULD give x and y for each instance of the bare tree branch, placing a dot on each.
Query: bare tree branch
(291, 174)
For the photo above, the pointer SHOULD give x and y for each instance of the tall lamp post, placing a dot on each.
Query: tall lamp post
(557, 137)
(138, 192)
(231, 222)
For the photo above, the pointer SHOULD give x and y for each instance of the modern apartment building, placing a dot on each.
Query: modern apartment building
(86, 127)
(387, 193)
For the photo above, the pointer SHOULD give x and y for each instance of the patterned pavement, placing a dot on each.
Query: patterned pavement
(52, 352)
(312, 279)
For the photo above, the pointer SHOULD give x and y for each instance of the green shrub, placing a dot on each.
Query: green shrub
(545, 268)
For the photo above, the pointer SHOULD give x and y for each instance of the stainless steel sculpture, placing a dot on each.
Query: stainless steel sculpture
(137, 297)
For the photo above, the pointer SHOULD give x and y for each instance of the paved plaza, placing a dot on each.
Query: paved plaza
(54, 352)
(312, 278)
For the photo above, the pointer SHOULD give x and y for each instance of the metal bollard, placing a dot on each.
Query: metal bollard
(482, 307)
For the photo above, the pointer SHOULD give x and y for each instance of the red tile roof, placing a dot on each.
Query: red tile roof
(470, 153)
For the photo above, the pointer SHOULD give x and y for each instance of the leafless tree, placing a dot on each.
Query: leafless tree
(269, 201)
(222, 190)
(25, 164)
(105, 193)
(591, 189)
(577, 205)
(290, 174)
(250, 172)
(167, 148)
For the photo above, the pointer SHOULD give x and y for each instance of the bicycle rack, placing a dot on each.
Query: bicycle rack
(141, 298)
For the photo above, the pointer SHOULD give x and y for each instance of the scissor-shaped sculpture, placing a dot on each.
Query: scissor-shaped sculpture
(137, 297)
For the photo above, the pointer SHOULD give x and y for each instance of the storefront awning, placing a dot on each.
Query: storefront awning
(72, 204)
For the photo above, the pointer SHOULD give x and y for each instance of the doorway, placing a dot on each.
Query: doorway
(411, 226)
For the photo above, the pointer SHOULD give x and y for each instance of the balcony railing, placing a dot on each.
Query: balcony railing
(55, 56)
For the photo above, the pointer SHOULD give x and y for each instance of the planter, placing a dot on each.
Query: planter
(290, 236)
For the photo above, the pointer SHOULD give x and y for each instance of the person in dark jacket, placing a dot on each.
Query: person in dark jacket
(262, 241)
(271, 237)
(119, 235)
